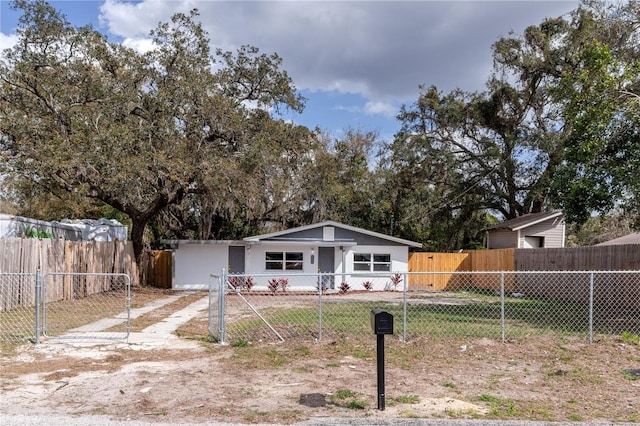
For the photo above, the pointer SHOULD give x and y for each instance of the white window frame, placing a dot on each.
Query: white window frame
(373, 261)
(288, 262)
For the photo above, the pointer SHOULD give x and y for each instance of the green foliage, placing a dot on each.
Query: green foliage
(631, 338)
(94, 129)
(137, 132)
(405, 399)
(30, 232)
(240, 343)
(349, 399)
(345, 393)
(500, 407)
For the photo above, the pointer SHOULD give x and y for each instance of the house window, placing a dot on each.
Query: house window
(288, 261)
(371, 262)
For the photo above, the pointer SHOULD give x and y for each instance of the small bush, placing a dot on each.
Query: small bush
(324, 287)
(344, 287)
(396, 279)
(242, 283)
(274, 284)
(249, 283)
(368, 285)
(284, 284)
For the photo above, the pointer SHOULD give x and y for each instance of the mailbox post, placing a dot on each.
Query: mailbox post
(381, 324)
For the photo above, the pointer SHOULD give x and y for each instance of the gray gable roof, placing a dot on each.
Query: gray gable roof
(525, 221)
(627, 239)
(344, 233)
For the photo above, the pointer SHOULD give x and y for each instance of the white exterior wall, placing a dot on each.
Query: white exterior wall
(255, 266)
(193, 263)
(399, 263)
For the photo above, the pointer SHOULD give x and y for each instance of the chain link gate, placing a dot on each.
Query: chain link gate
(86, 306)
(19, 307)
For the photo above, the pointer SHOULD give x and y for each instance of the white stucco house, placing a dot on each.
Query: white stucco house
(345, 252)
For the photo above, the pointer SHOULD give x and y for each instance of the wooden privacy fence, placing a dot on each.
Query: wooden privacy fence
(157, 268)
(596, 258)
(27, 255)
(477, 260)
(573, 288)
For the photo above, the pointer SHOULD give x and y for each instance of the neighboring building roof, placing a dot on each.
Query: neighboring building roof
(627, 239)
(282, 235)
(12, 226)
(525, 221)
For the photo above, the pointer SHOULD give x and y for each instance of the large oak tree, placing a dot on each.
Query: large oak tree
(138, 132)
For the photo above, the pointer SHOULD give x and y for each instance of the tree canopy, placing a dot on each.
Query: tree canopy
(183, 143)
(556, 127)
(140, 132)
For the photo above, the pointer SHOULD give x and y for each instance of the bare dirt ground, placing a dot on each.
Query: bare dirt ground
(198, 381)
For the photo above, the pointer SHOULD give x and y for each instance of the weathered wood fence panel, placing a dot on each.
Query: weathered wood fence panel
(27, 255)
(163, 271)
(597, 258)
(574, 287)
(157, 268)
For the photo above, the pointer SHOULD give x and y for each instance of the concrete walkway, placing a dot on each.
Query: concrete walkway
(157, 336)
(121, 318)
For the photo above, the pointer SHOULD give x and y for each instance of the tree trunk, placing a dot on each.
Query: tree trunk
(137, 235)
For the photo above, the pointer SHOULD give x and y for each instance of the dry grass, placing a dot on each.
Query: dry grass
(537, 378)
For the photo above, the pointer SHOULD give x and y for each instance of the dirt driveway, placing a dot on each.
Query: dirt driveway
(190, 379)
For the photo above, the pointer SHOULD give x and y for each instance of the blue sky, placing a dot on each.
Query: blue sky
(356, 62)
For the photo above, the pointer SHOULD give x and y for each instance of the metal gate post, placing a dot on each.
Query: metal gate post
(320, 286)
(502, 315)
(221, 302)
(404, 309)
(591, 308)
(38, 302)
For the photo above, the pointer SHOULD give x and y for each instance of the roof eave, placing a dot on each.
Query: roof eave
(335, 224)
(535, 222)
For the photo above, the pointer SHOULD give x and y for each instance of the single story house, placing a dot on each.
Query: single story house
(534, 230)
(330, 247)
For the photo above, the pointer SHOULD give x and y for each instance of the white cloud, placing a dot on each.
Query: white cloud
(381, 108)
(380, 50)
(8, 41)
(134, 20)
(349, 108)
(142, 45)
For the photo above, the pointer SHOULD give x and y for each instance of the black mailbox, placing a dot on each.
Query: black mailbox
(381, 322)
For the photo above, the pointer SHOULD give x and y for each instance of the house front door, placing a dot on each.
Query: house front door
(326, 263)
(236, 259)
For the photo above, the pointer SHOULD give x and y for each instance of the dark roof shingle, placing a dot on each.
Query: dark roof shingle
(525, 221)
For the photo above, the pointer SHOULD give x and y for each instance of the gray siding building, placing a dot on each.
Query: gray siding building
(535, 230)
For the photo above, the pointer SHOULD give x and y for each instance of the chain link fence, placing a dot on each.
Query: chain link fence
(86, 305)
(64, 305)
(17, 307)
(495, 305)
